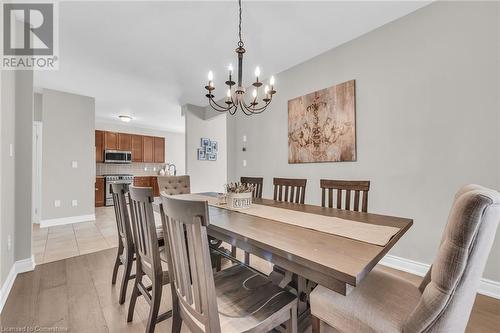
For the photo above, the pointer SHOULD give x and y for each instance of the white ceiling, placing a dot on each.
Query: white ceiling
(146, 59)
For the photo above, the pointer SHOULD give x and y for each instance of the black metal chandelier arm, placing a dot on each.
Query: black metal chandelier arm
(217, 107)
(255, 110)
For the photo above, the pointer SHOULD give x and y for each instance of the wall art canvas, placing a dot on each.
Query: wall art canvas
(322, 125)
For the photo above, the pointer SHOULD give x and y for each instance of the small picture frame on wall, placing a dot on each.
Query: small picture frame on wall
(202, 156)
(212, 157)
(215, 146)
(208, 149)
(205, 142)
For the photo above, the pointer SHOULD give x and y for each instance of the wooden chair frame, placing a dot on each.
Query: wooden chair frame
(290, 190)
(360, 188)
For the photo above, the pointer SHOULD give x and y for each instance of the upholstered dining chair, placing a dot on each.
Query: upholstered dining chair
(236, 299)
(172, 185)
(443, 302)
(289, 190)
(149, 257)
(125, 254)
(359, 187)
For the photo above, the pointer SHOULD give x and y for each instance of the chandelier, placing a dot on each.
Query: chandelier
(235, 95)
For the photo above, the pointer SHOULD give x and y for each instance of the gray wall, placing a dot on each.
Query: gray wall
(68, 135)
(205, 176)
(16, 126)
(427, 89)
(37, 106)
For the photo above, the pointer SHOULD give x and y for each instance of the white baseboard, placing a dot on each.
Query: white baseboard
(487, 287)
(67, 220)
(18, 267)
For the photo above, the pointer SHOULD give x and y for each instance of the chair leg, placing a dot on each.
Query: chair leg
(126, 277)
(117, 264)
(155, 307)
(247, 258)
(133, 297)
(233, 251)
(291, 324)
(315, 324)
(176, 316)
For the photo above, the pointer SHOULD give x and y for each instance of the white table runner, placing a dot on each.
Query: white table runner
(365, 232)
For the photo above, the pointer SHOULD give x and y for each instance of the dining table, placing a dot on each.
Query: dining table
(304, 249)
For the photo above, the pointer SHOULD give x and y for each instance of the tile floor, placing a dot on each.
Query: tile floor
(65, 241)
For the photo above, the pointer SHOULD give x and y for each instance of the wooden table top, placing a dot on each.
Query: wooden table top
(331, 256)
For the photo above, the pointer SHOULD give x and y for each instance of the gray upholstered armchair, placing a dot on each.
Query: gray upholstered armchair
(172, 185)
(386, 303)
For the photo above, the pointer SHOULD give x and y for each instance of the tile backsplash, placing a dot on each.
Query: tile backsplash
(135, 169)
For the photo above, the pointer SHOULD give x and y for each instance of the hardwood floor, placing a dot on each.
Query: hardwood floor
(76, 295)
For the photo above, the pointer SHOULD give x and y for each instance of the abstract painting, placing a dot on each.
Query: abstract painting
(322, 125)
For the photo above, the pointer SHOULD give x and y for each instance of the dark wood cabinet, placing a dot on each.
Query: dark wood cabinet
(99, 146)
(99, 196)
(124, 141)
(142, 181)
(159, 150)
(137, 148)
(147, 149)
(154, 185)
(111, 140)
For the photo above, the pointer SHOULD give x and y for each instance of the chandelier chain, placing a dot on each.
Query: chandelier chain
(240, 43)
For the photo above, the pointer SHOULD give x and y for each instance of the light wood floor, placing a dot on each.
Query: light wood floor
(76, 295)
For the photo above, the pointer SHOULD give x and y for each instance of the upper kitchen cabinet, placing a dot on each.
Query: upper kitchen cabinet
(110, 141)
(137, 155)
(99, 146)
(159, 150)
(148, 149)
(124, 141)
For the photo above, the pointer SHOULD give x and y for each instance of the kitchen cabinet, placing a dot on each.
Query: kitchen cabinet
(159, 150)
(99, 146)
(99, 196)
(137, 148)
(154, 185)
(111, 140)
(142, 181)
(147, 149)
(124, 141)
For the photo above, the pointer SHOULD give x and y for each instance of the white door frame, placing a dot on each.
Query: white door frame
(36, 211)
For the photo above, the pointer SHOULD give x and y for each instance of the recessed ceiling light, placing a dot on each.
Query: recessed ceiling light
(125, 119)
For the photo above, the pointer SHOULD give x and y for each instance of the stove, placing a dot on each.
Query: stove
(116, 179)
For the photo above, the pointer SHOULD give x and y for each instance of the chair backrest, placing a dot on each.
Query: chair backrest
(257, 185)
(289, 189)
(143, 226)
(360, 188)
(449, 289)
(119, 192)
(190, 269)
(172, 185)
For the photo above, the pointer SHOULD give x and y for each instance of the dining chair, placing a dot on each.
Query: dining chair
(257, 183)
(289, 190)
(359, 187)
(125, 254)
(442, 303)
(149, 257)
(173, 185)
(236, 299)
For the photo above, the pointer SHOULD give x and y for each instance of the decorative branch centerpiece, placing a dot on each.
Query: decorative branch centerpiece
(239, 196)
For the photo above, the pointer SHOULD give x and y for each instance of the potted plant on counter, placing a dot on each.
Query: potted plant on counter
(239, 196)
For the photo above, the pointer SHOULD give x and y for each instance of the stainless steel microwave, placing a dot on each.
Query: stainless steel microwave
(117, 156)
